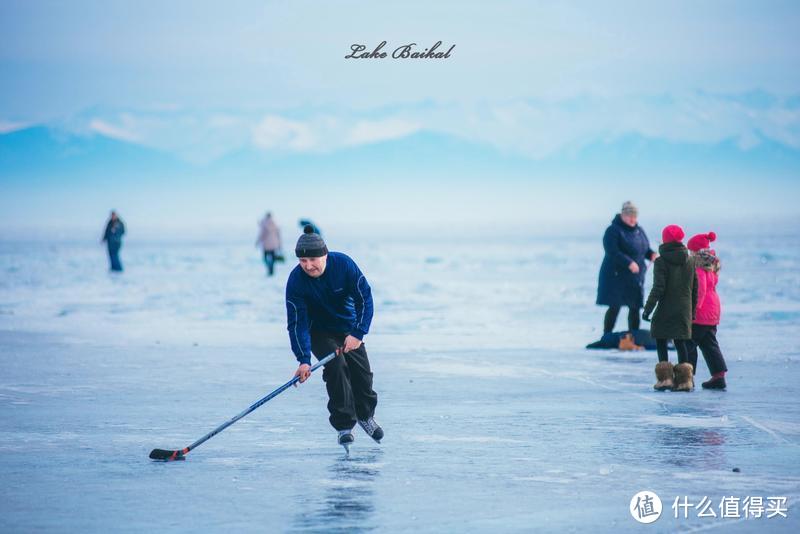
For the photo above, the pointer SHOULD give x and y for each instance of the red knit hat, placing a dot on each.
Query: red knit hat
(701, 241)
(671, 233)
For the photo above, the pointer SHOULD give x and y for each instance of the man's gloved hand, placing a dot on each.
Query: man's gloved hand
(646, 317)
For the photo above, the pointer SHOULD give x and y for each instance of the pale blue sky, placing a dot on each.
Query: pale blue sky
(63, 57)
(540, 81)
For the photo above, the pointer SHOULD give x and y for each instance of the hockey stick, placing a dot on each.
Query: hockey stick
(165, 455)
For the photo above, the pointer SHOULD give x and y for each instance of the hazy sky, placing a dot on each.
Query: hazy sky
(63, 57)
(537, 80)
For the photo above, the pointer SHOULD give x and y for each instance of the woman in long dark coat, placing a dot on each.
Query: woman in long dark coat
(622, 272)
(675, 293)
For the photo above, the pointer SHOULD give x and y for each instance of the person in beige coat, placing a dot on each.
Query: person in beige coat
(269, 239)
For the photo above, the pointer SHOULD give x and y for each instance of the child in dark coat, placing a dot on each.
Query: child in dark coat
(704, 326)
(675, 292)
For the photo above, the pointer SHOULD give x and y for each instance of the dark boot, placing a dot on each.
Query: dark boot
(715, 383)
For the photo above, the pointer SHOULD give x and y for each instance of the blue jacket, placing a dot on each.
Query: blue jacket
(338, 301)
(114, 232)
(618, 286)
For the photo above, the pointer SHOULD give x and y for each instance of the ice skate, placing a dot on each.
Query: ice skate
(663, 376)
(372, 428)
(683, 377)
(346, 439)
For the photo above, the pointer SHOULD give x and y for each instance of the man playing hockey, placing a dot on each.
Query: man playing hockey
(329, 308)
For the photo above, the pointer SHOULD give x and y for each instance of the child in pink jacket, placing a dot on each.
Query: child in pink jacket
(704, 326)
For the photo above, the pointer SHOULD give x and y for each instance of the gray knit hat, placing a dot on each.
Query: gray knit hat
(629, 208)
(310, 245)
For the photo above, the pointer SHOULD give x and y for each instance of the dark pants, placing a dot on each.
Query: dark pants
(348, 380)
(705, 337)
(681, 345)
(269, 261)
(611, 319)
(113, 256)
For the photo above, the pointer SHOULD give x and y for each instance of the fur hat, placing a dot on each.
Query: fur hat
(701, 241)
(671, 233)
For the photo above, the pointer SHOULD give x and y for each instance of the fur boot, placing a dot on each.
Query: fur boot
(683, 377)
(663, 376)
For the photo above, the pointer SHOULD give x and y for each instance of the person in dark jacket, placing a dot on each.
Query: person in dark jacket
(675, 292)
(115, 229)
(329, 308)
(623, 269)
(307, 222)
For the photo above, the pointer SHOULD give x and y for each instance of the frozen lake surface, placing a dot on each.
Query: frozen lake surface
(496, 418)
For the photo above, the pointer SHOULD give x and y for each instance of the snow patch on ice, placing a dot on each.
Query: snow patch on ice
(685, 421)
(463, 439)
(455, 368)
(545, 479)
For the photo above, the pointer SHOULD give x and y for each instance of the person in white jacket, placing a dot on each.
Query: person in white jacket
(269, 239)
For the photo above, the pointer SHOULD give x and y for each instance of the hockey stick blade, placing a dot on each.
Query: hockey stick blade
(168, 456)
